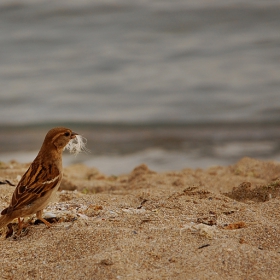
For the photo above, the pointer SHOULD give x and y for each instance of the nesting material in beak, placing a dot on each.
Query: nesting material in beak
(77, 144)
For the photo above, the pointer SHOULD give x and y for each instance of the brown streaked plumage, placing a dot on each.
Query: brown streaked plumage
(40, 181)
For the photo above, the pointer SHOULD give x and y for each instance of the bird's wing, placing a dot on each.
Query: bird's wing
(35, 183)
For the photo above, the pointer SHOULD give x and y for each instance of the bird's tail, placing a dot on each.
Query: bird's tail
(4, 220)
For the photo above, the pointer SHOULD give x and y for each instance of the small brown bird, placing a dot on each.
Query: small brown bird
(41, 180)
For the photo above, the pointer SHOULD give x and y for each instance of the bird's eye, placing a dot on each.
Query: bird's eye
(67, 134)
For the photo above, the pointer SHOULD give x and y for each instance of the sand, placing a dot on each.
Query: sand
(218, 223)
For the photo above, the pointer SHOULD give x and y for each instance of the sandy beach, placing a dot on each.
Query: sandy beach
(162, 91)
(216, 223)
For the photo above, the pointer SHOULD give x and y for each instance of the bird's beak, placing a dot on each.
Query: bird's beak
(73, 135)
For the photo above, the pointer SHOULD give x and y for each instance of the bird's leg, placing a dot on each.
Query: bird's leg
(21, 225)
(39, 217)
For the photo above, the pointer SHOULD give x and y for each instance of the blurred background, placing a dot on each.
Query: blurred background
(170, 83)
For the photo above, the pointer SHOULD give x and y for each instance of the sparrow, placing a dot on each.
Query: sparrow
(41, 180)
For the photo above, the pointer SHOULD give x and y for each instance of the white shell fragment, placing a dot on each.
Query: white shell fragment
(77, 145)
(49, 215)
(201, 229)
(66, 211)
(134, 211)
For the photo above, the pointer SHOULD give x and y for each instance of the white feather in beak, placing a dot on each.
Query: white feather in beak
(77, 145)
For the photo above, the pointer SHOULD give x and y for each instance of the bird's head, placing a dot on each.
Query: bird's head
(57, 138)
(60, 138)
